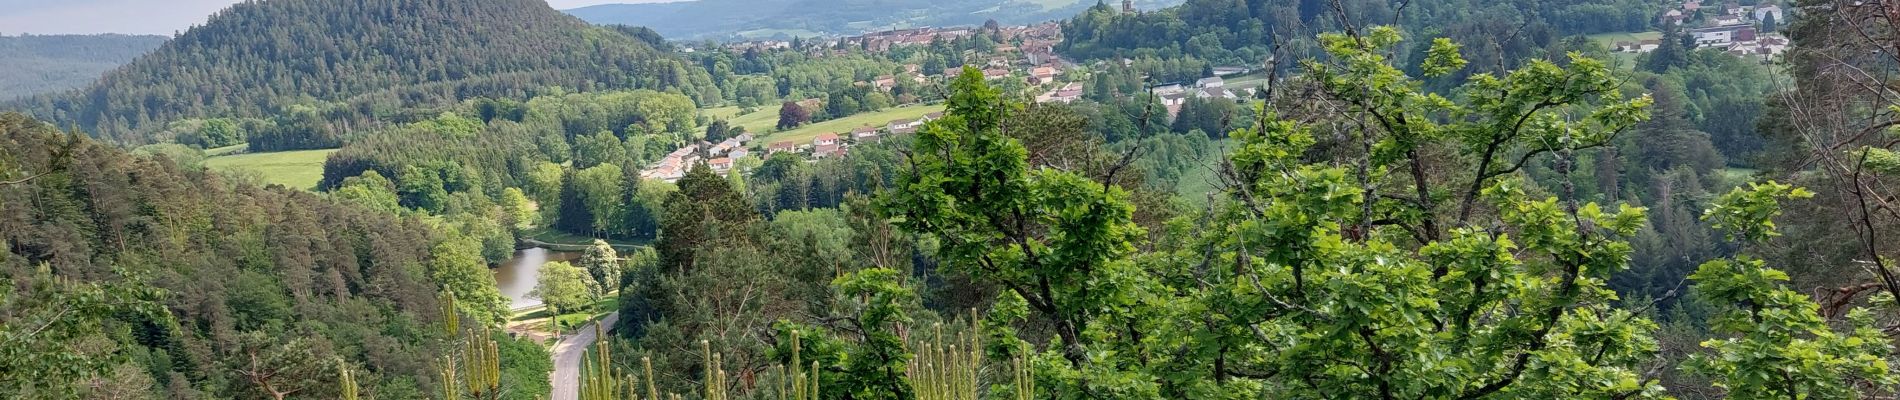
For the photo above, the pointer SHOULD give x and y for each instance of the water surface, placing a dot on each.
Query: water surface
(516, 277)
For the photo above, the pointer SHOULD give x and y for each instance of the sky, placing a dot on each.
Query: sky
(156, 17)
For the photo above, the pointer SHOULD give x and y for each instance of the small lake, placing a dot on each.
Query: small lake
(516, 277)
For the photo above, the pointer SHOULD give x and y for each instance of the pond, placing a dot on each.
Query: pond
(516, 277)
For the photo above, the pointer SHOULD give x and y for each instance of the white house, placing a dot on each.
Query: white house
(825, 139)
(1216, 93)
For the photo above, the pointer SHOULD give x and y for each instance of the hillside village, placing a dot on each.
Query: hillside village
(1740, 30)
(1027, 55)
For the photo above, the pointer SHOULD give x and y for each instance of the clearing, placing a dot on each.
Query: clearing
(299, 169)
(842, 126)
(758, 122)
(533, 321)
(1609, 39)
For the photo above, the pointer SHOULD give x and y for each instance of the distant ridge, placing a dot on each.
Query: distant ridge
(359, 58)
(49, 63)
(725, 19)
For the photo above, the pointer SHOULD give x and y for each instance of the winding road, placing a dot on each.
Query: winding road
(568, 355)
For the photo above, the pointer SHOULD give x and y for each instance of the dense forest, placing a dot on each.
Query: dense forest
(130, 277)
(340, 65)
(38, 64)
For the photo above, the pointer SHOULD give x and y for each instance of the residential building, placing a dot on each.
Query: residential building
(1673, 17)
(1723, 35)
(780, 147)
(864, 134)
(827, 150)
(720, 165)
(1174, 99)
(1065, 94)
(1215, 93)
(826, 138)
(901, 124)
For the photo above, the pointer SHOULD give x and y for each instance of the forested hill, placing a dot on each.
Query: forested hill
(137, 277)
(49, 63)
(353, 59)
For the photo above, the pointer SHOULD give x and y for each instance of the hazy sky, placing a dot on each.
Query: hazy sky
(162, 17)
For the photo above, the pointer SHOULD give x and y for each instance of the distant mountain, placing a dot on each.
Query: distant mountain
(49, 63)
(726, 19)
(355, 60)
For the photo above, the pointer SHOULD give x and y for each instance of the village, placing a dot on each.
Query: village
(1027, 54)
(1740, 30)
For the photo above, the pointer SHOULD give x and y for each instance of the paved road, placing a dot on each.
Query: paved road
(568, 356)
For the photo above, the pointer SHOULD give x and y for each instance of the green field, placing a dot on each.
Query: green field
(758, 122)
(1609, 39)
(1255, 79)
(843, 126)
(298, 169)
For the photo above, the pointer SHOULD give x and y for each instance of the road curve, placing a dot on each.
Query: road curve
(568, 355)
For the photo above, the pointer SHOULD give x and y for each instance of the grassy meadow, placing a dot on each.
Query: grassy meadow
(298, 169)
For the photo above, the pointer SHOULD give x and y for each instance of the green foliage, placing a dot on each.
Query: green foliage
(519, 210)
(603, 266)
(277, 370)
(1247, 32)
(879, 365)
(524, 367)
(1065, 249)
(564, 287)
(447, 124)
(216, 132)
(1312, 298)
(48, 321)
(600, 190)
(187, 158)
(458, 266)
(346, 381)
(473, 370)
(231, 260)
(1777, 343)
(370, 190)
(1748, 214)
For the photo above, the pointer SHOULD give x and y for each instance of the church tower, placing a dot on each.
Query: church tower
(1128, 6)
